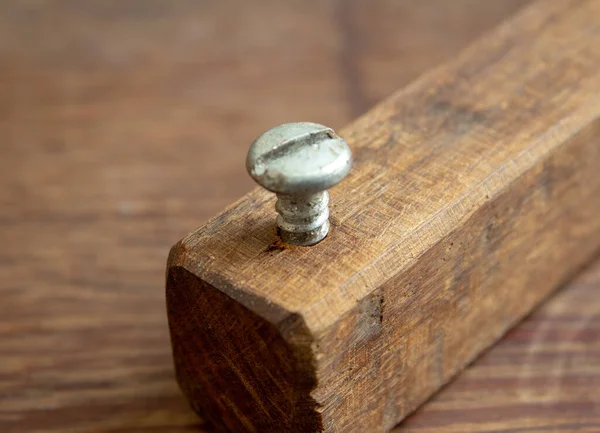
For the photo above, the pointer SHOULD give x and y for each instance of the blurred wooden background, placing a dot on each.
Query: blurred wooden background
(124, 125)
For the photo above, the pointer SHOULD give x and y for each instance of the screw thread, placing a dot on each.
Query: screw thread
(303, 219)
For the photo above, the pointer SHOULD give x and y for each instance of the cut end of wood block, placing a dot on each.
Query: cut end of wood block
(237, 369)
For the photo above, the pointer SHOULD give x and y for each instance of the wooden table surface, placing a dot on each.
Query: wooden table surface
(124, 125)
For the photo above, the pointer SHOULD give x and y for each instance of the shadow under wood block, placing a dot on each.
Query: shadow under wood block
(475, 193)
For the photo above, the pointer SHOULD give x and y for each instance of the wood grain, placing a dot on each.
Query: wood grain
(467, 185)
(123, 124)
(543, 376)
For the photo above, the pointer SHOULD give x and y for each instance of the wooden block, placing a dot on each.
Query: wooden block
(475, 193)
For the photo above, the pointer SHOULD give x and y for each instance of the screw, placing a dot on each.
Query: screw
(299, 162)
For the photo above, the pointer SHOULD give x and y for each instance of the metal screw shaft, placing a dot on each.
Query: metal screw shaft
(299, 162)
(303, 219)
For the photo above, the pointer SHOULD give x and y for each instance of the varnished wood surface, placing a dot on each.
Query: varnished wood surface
(466, 186)
(123, 125)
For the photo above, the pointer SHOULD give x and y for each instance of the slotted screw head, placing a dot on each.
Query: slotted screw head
(299, 162)
(299, 158)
